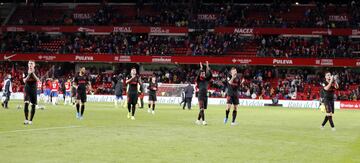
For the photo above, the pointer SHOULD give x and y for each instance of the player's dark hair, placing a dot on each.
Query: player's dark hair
(327, 72)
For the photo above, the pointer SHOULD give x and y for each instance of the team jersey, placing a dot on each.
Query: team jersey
(39, 85)
(67, 86)
(328, 94)
(31, 80)
(203, 83)
(152, 88)
(133, 84)
(55, 86)
(48, 84)
(233, 88)
(81, 81)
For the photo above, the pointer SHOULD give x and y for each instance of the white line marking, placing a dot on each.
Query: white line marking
(40, 129)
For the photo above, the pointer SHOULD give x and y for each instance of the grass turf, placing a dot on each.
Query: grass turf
(264, 134)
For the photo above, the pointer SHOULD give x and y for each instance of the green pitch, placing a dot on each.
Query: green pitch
(264, 134)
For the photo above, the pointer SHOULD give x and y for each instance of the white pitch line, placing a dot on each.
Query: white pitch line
(40, 129)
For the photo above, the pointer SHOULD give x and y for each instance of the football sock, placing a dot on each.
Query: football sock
(203, 114)
(77, 107)
(199, 116)
(234, 116)
(133, 110)
(26, 110)
(32, 112)
(325, 120)
(129, 107)
(227, 113)
(331, 122)
(82, 109)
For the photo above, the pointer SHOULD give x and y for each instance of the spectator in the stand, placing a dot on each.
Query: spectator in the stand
(326, 47)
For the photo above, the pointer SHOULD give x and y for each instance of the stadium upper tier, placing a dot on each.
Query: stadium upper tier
(193, 44)
(197, 15)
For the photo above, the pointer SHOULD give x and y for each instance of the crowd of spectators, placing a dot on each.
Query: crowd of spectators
(103, 16)
(16, 71)
(170, 14)
(275, 14)
(260, 82)
(269, 82)
(325, 47)
(196, 44)
(121, 44)
(118, 43)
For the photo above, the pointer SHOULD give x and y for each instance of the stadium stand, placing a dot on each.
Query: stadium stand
(210, 30)
(276, 14)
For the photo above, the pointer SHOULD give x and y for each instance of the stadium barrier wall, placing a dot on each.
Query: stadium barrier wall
(182, 30)
(121, 58)
(221, 101)
(350, 105)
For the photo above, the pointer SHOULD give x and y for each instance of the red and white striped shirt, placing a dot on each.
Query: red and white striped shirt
(67, 86)
(55, 86)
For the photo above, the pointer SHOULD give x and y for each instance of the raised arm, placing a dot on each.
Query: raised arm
(208, 71)
(336, 83)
